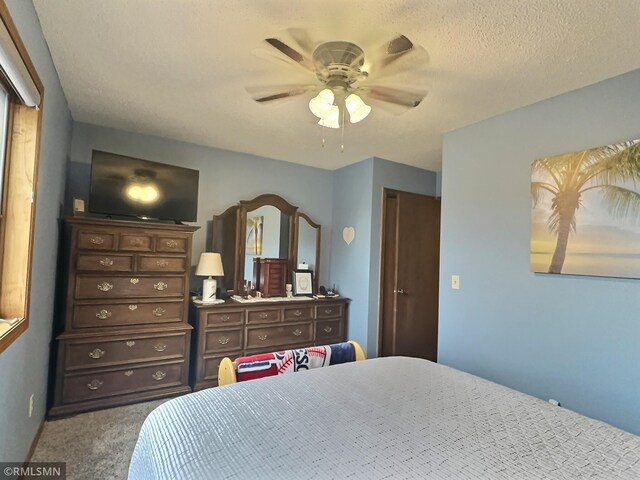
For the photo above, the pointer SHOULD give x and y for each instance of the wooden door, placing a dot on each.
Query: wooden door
(409, 277)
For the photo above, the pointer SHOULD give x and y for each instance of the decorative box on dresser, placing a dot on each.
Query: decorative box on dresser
(126, 334)
(234, 329)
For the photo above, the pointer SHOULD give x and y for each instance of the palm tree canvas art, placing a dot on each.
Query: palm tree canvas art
(585, 216)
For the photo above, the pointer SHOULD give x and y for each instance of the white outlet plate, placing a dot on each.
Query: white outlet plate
(455, 282)
(31, 405)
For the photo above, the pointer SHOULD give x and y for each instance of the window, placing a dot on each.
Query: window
(5, 103)
(21, 93)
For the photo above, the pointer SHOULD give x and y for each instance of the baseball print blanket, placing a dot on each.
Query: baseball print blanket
(288, 361)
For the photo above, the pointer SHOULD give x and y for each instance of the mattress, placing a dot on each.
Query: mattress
(382, 418)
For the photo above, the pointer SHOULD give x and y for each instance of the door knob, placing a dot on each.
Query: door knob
(399, 291)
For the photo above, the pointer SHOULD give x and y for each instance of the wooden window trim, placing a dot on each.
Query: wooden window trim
(19, 206)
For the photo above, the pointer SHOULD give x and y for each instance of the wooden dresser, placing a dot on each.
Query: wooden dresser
(233, 329)
(126, 334)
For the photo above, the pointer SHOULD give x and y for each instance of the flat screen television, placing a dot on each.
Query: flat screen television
(134, 187)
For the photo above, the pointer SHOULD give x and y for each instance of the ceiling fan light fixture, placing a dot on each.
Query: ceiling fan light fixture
(358, 110)
(322, 104)
(332, 118)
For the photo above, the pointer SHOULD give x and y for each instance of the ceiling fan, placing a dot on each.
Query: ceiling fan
(344, 76)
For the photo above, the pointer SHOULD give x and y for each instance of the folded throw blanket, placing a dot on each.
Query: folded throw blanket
(288, 361)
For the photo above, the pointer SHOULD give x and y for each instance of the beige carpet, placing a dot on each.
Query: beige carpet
(96, 444)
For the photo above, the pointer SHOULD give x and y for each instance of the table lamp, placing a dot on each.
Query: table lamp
(210, 265)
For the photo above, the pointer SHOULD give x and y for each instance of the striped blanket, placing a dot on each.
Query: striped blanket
(288, 361)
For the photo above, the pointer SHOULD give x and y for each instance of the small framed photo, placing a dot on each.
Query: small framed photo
(78, 206)
(302, 282)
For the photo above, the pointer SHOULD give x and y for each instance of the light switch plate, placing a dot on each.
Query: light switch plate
(455, 282)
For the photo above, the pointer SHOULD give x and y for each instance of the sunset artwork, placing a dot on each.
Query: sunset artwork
(585, 215)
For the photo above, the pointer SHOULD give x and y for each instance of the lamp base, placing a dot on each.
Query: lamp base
(209, 286)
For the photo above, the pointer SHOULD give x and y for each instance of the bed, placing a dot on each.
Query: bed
(382, 418)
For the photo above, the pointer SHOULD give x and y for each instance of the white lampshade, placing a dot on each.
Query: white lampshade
(210, 265)
(358, 110)
(332, 118)
(322, 103)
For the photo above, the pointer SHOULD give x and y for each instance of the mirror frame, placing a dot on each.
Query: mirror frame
(218, 220)
(317, 227)
(241, 210)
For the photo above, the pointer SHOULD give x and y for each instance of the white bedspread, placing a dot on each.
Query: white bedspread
(378, 419)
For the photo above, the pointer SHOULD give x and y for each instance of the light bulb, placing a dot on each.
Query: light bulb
(321, 103)
(358, 110)
(331, 119)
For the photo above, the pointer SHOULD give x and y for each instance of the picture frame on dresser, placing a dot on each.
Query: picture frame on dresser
(302, 282)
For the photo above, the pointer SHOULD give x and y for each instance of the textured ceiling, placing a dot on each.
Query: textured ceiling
(178, 68)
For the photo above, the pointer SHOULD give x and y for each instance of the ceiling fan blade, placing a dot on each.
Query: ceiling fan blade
(291, 53)
(303, 39)
(395, 49)
(398, 45)
(264, 94)
(404, 99)
(413, 59)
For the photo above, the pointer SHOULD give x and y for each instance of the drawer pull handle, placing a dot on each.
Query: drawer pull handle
(297, 332)
(160, 286)
(95, 384)
(328, 310)
(134, 281)
(133, 307)
(96, 353)
(262, 337)
(160, 347)
(223, 340)
(327, 329)
(106, 262)
(128, 373)
(97, 240)
(159, 375)
(297, 313)
(264, 315)
(130, 343)
(171, 244)
(105, 286)
(158, 312)
(162, 263)
(103, 314)
(225, 318)
(136, 242)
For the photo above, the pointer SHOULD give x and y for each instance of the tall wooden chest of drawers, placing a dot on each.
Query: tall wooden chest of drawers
(126, 334)
(234, 329)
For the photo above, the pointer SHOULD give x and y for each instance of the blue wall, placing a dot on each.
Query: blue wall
(575, 339)
(355, 268)
(24, 365)
(351, 196)
(225, 178)
(350, 264)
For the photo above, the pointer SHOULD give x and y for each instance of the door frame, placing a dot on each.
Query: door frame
(386, 192)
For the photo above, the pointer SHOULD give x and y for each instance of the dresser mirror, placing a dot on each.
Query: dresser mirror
(268, 227)
(307, 245)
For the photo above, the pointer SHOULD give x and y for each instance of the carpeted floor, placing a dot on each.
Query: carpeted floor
(96, 444)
